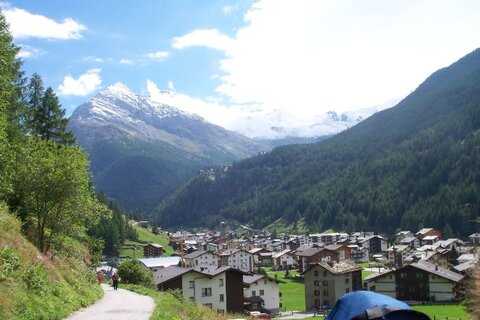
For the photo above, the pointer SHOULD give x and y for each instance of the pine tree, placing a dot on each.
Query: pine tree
(10, 103)
(46, 117)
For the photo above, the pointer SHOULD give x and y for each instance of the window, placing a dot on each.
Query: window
(222, 298)
(192, 298)
(325, 292)
(254, 293)
(196, 262)
(325, 283)
(191, 284)
(316, 283)
(220, 282)
(262, 292)
(206, 292)
(316, 292)
(208, 305)
(347, 280)
(315, 273)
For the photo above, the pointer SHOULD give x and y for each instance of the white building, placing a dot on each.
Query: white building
(264, 291)
(220, 288)
(283, 260)
(202, 259)
(420, 281)
(238, 259)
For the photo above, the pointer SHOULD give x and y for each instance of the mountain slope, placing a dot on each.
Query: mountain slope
(140, 150)
(411, 165)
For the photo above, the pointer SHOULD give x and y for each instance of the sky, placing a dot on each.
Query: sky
(238, 63)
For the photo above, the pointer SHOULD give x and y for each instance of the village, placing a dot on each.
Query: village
(228, 272)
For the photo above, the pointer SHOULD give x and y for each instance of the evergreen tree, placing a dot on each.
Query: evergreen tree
(10, 93)
(447, 232)
(35, 92)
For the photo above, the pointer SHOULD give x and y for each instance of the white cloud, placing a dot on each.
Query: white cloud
(27, 52)
(159, 55)
(230, 9)
(310, 56)
(211, 38)
(126, 61)
(24, 24)
(83, 85)
(93, 59)
(171, 87)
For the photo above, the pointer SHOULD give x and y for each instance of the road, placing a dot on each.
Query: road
(117, 305)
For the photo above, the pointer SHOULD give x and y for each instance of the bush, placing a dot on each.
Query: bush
(134, 272)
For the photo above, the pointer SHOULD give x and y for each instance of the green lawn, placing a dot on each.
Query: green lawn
(145, 235)
(452, 311)
(293, 292)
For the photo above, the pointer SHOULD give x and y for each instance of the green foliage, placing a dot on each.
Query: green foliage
(113, 229)
(411, 165)
(53, 186)
(36, 287)
(134, 272)
(46, 118)
(168, 306)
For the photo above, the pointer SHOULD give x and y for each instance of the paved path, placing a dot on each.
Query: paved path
(296, 315)
(117, 305)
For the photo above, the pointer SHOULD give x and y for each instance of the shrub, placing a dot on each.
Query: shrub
(134, 272)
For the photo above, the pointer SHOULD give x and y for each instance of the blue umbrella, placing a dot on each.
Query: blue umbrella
(363, 305)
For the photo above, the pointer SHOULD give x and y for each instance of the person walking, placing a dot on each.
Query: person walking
(115, 279)
(100, 277)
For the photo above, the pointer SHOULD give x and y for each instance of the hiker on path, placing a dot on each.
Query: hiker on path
(115, 279)
(100, 277)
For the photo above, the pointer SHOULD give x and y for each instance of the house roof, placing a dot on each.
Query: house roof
(430, 238)
(470, 264)
(398, 247)
(408, 239)
(281, 253)
(170, 273)
(256, 250)
(337, 267)
(160, 262)
(249, 279)
(213, 271)
(438, 271)
(253, 299)
(374, 276)
(308, 252)
(423, 231)
(334, 247)
(196, 254)
(156, 245)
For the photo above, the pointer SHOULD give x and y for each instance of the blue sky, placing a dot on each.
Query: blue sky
(234, 61)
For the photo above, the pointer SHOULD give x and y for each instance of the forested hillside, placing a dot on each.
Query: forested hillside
(416, 164)
(46, 201)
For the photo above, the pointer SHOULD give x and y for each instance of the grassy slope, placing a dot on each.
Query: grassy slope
(452, 311)
(37, 287)
(167, 307)
(145, 235)
(293, 292)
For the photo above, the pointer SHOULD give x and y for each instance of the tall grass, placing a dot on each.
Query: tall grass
(34, 286)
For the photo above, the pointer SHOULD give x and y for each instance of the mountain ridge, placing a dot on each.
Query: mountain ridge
(396, 169)
(132, 139)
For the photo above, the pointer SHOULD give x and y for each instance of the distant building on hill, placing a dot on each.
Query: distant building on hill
(153, 250)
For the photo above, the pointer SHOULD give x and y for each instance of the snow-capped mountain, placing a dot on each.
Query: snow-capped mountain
(141, 149)
(282, 124)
